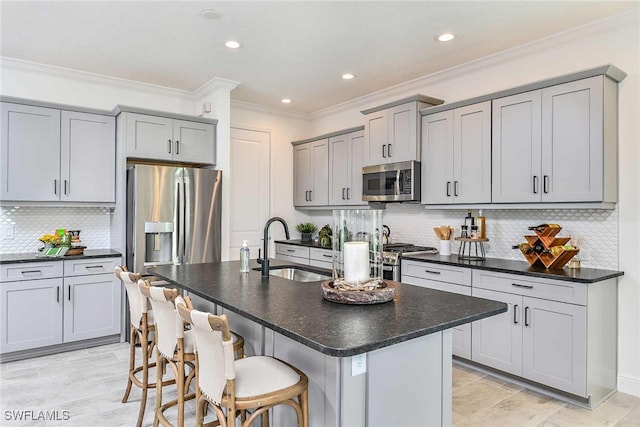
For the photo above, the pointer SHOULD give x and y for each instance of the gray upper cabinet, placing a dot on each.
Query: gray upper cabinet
(311, 173)
(30, 155)
(391, 135)
(557, 144)
(346, 153)
(161, 138)
(456, 155)
(87, 163)
(51, 155)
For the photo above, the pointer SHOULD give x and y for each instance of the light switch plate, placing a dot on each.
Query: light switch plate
(358, 364)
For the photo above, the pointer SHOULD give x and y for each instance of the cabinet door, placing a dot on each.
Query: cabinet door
(91, 307)
(30, 153)
(437, 158)
(516, 151)
(354, 191)
(149, 137)
(376, 135)
(88, 157)
(31, 314)
(339, 169)
(301, 174)
(194, 142)
(497, 340)
(572, 141)
(472, 153)
(554, 345)
(319, 195)
(403, 133)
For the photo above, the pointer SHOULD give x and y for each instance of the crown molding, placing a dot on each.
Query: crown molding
(213, 85)
(68, 73)
(267, 109)
(417, 85)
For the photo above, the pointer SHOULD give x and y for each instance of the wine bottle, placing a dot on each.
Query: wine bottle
(541, 227)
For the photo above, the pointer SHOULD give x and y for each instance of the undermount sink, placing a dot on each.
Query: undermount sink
(297, 274)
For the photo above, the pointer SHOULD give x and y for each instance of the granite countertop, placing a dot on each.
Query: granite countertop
(298, 311)
(582, 275)
(34, 256)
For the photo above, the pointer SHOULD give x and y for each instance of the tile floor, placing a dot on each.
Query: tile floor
(85, 388)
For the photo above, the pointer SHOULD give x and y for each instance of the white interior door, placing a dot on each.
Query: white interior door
(250, 171)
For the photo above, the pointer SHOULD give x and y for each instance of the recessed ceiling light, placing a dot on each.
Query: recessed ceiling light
(286, 101)
(232, 44)
(210, 14)
(348, 76)
(445, 37)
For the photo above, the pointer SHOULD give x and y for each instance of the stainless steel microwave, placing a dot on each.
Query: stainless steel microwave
(392, 182)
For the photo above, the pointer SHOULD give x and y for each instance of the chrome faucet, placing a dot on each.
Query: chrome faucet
(265, 245)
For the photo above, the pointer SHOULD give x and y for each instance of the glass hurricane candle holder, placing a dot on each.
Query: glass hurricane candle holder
(357, 248)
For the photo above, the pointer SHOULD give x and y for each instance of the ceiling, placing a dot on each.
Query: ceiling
(290, 49)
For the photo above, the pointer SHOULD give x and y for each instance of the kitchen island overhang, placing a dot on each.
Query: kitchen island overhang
(407, 341)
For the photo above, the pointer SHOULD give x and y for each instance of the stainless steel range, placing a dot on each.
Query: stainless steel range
(392, 252)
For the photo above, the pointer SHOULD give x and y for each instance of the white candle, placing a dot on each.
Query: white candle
(356, 262)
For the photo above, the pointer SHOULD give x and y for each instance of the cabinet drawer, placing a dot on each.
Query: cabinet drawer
(325, 255)
(31, 270)
(292, 250)
(83, 267)
(554, 290)
(434, 284)
(297, 260)
(439, 272)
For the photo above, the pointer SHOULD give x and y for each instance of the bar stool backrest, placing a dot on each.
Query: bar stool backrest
(215, 352)
(169, 326)
(137, 301)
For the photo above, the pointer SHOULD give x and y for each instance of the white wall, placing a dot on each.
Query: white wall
(615, 41)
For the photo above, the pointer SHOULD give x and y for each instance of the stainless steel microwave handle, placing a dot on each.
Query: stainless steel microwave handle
(396, 185)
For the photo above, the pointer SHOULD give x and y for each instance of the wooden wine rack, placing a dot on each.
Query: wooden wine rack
(547, 237)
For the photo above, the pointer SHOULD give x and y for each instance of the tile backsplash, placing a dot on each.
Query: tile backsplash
(30, 222)
(411, 223)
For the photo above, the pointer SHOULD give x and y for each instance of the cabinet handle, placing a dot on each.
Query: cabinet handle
(348, 195)
(306, 195)
(65, 187)
(515, 316)
(526, 316)
(290, 250)
(327, 256)
(69, 292)
(518, 285)
(177, 147)
(448, 188)
(432, 272)
(389, 150)
(384, 155)
(343, 194)
(455, 188)
(545, 184)
(55, 187)
(169, 145)
(57, 293)
(310, 195)
(31, 272)
(94, 266)
(535, 184)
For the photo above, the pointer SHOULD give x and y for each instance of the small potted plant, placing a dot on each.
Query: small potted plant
(306, 230)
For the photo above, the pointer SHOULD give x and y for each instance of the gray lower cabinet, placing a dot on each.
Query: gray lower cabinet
(292, 253)
(50, 303)
(557, 333)
(444, 278)
(556, 144)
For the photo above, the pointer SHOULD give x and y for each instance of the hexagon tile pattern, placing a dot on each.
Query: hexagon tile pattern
(31, 222)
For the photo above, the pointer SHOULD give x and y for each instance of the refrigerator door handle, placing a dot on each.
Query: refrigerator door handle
(186, 221)
(179, 221)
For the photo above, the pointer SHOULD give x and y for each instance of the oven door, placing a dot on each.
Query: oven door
(391, 272)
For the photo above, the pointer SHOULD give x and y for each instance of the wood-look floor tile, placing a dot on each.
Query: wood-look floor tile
(479, 395)
(607, 414)
(632, 419)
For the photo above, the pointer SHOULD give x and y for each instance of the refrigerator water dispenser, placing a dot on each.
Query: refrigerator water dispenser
(159, 242)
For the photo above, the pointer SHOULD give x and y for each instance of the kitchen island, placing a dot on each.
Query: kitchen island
(378, 365)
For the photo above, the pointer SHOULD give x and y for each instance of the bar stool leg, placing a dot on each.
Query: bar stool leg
(159, 372)
(144, 344)
(132, 362)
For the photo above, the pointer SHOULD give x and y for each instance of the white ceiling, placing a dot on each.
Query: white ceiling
(294, 49)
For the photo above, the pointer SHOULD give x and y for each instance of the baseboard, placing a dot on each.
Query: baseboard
(629, 385)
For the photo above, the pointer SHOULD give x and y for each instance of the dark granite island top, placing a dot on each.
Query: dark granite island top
(298, 311)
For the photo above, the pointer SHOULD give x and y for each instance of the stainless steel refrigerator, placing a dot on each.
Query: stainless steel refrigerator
(173, 216)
